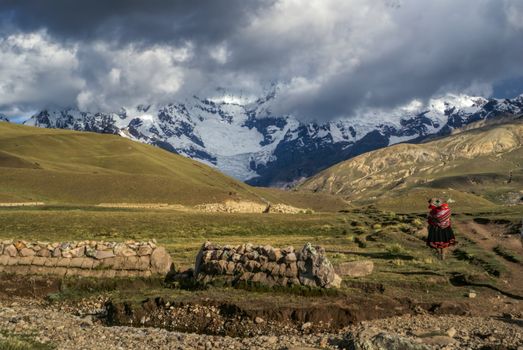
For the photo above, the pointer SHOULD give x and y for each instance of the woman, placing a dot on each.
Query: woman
(440, 235)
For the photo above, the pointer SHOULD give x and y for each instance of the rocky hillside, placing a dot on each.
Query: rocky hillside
(244, 139)
(487, 162)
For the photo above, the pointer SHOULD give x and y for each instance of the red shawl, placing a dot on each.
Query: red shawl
(439, 216)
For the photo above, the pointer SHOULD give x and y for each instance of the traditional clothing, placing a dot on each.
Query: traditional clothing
(441, 234)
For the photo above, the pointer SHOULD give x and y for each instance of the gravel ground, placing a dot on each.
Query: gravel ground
(446, 332)
(52, 324)
(67, 331)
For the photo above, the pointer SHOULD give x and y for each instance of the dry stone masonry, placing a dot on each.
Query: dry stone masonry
(86, 258)
(266, 265)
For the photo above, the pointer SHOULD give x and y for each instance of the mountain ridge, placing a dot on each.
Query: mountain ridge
(245, 140)
(484, 163)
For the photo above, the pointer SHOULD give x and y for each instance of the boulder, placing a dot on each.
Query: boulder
(101, 246)
(25, 260)
(259, 277)
(262, 259)
(77, 262)
(252, 266)
(57, 252)
(291, 271)
(317, 267)
(11, 250)
(39, 261)
(236, 257)
(216, 254)
(27, 252)
(104, 254)
(143, 263)
(266, 249)
(128, 252)
(144, 250)
(230, 268)
(161, 261)
(282, 269)
(199, 259)
(359, 268)
(218, 267)
(290, 258)
(90, 251)
(19, 245)
(3, 260)
(288, 250)
(122, 249)
(335, 283)
(44, 253)
(274, 254)
(253, 255)
(78, 252)
(131, 263)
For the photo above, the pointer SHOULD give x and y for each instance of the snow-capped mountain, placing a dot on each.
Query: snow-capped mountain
(245, 140)
(3, 118)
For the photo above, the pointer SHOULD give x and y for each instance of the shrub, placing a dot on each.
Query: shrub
(398, 262)
(395, 249)
(418, 223)
(376, 226)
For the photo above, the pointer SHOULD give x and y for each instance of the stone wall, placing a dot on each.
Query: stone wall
(265, 265)
(86, 258)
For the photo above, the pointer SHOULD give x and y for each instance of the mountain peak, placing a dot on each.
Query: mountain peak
(244, 139)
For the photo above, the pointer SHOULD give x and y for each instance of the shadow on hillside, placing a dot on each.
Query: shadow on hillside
(459, 280)
(374, 255)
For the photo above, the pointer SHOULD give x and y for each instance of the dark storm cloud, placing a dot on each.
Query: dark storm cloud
(150, 21)
(419, 50)
(329, 58)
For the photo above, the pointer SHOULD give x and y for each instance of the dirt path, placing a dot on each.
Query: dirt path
(488, 237)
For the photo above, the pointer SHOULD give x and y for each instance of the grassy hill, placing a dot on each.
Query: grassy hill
(477, 169)
(60, 166)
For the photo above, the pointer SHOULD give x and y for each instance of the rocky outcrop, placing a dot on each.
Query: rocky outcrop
(265, 265)
(86, 258)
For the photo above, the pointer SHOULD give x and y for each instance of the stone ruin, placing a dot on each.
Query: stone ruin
(86, 258)
(265, 265)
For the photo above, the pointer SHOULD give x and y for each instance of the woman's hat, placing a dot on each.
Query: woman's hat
(436, 202)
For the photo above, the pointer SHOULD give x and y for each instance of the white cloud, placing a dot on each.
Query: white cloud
(330, 58)
(35, 70)
(514, 11)
(219, 53)
(131, 75)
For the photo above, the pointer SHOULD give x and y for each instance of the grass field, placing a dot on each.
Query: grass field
(73, 172)
(81, 168)
(393, 241)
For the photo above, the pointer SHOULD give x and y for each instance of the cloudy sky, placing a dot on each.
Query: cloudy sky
(329, 58)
